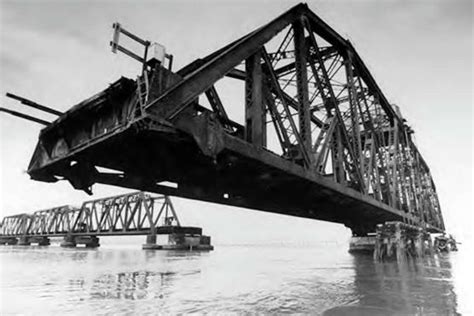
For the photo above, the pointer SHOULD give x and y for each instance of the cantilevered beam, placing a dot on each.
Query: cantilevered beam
(35, 105)
(25, 116)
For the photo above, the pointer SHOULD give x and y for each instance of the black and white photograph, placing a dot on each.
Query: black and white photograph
(236, 157)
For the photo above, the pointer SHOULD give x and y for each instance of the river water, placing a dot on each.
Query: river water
(277, 278)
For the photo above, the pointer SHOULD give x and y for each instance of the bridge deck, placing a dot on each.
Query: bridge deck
(241, 175)
(163, 230)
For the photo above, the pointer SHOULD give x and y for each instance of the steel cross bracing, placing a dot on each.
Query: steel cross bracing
(136, 213)
(319, 138)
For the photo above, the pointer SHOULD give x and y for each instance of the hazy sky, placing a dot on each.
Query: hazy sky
(420, 53)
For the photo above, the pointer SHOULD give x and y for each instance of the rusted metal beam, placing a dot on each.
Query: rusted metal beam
(302, 82)
(172, 102)
(25, 116)
(276, 89)
(217, 106)
(255, 124)
(34, 104)
(190, 149)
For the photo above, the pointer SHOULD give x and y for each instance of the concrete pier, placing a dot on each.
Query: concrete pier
(8, 241)
(41, 241)
(151, 243)
(24, 241)
(363, 244)
(72, 241)
(179, 241)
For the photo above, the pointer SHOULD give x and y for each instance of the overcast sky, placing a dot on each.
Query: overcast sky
(420, 53)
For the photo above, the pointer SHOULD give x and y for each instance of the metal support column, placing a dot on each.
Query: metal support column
(302, 83)
(255, 126)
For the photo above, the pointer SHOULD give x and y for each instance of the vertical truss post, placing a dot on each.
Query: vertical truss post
(354, 104)
(301, 62)
(325, 86)
(285, 113)
(338, 158)
(255, 125)
(395, 145)
(168, 203)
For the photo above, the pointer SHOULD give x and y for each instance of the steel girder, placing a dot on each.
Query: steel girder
(315, 120)
(135, 213)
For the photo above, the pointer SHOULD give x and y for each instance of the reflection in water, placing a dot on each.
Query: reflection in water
(130, 285)
(233, 279)
(421, 287)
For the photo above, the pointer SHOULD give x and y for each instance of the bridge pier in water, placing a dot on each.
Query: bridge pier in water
(28, 240)
(8, 241)
(362, 244)
(400, 241)
(364, 168)
(71, 241)
(136, 213)
(394, 241)
(25, 240)
(179, 241)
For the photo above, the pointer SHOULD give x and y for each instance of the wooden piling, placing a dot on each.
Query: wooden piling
(400, 241)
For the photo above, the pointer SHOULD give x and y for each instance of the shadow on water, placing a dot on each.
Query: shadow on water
(416, 287)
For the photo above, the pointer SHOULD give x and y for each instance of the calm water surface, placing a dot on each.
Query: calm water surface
(309, 279)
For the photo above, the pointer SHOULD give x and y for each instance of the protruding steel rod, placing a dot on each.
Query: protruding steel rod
(25, 116)
(34, 104)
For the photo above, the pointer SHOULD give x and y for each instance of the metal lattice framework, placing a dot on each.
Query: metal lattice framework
(136, 213)
(15, 225)
(54, 221)
(319, 138)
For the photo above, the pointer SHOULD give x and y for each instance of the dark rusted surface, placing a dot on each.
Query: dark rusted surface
(376, 173)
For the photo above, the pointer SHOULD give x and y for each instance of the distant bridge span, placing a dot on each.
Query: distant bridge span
(318, 138)
(136, 213)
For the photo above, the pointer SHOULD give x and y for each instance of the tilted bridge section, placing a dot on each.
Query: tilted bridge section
(315, 136)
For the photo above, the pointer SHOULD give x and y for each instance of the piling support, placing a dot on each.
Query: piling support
(41, 241)
(8, 241)
(427, 244)
(69, 241)
(24, 241)
(362, 244)
(179, 241)
(88, 241)
(396, 240)
(151, 243)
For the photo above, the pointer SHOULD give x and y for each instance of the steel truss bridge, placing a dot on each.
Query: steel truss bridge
(315, 136)
(136, 213)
